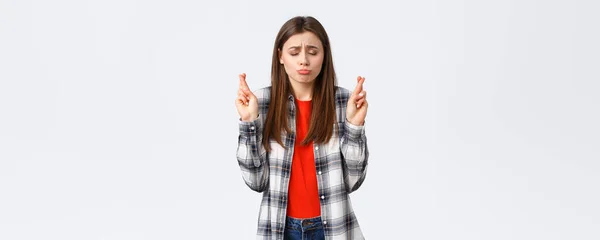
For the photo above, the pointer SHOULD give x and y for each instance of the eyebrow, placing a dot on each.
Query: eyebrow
(308, 46)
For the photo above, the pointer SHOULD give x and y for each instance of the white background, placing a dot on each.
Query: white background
(117, 118)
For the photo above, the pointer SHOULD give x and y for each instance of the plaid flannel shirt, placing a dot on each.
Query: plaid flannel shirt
(341, 166)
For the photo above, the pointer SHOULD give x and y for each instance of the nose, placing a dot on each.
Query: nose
(303, 59)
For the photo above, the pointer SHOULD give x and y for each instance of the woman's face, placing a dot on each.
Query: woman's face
(302, 57)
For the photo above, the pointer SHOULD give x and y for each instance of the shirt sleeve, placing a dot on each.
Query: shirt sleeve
(355, 155)
(251, 155)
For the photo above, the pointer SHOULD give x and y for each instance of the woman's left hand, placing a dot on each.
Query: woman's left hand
(356, 110)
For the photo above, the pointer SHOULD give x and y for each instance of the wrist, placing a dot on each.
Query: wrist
(355, 122)
(250, 119)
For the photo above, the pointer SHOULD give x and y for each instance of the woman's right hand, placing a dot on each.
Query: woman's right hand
(246, 103)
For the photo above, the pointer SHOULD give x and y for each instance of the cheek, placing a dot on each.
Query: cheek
(287, 65)
(286, 62)
(318, 62)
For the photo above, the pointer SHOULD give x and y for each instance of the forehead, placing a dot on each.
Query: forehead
(302, 39)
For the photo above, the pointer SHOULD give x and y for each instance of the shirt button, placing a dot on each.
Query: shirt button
(252, 128)
(322, 197)
(319, 172)
(317, 148)
(324, 222)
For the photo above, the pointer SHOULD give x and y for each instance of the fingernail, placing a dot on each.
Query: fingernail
(360, 94)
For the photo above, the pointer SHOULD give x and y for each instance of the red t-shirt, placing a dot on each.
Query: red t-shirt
(303, 192)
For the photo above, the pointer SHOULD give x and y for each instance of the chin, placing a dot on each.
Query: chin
(305, 78)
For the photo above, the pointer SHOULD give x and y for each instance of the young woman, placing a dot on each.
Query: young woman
(302, 141)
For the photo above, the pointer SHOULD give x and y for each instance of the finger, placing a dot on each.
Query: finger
(242, 99)
(360, 102)
(247, 92)
(241, 92)
(242, 78)
(243, 85)
(359, 86)
(242, 95)
(363, 103)
(243, 81)
(361, 95)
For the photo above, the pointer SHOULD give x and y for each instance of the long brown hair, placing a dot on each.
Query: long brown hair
(322, 118)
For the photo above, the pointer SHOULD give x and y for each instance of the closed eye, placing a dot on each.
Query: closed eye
(311, 53)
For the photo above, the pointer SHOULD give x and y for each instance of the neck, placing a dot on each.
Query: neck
(302, 91)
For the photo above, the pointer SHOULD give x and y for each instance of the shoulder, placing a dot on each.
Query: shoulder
(341, 100)
(263, 94)
(341, 94)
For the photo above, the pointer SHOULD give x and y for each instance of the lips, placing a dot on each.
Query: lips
(304, 71)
